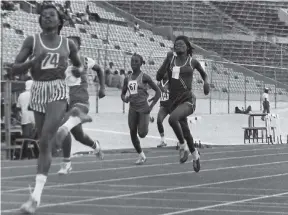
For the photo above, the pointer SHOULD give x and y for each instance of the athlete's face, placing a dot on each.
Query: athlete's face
(135, 63)
(49, 18)
(180, 47)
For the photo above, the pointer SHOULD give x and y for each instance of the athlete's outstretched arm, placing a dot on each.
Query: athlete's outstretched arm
(124, 91)
(164, 67)
(154, 86)
(204, 76)
(100, 75)
(20, 66)
(75, 59)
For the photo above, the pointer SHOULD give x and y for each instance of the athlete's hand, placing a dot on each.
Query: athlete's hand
(126, 99)
(206, 88)
(151, 99)
(101, 93)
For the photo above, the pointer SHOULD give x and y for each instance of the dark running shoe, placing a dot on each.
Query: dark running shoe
(196, 160)
(183, 155)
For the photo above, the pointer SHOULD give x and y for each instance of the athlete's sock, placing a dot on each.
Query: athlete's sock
(39, 186)
(184, 146)
(66, 160)
(72, 122)
(162, 137)
(142, 155)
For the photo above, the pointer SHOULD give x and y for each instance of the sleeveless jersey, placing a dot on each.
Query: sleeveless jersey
(54, 64)
(181, 78)
(138, 93)
(71, 80)
(164, 94)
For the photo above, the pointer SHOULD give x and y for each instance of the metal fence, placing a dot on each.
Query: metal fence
(231, 86)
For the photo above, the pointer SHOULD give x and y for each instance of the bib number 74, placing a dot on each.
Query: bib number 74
(51, 61)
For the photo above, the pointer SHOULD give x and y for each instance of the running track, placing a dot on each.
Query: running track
(233, 180)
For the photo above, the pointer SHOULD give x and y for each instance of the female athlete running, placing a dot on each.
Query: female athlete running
(180, 68)
(139, 111)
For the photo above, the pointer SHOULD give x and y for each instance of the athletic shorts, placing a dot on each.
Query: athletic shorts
(79, 97)
(45, 92)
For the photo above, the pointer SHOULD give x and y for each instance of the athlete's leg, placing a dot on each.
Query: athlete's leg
(133, 118)
(162, 114)
(83, 138)
(143, 124)
(76, 117)
(133, 122)
(190, 142)
(187, 134)
(180, 113)
(51, 123)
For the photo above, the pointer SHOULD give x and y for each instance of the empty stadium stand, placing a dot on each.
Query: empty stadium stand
(113, 41)
(225, 17)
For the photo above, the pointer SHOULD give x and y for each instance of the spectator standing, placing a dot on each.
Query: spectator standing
(27, 117)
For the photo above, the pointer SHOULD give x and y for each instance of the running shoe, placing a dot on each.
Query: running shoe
(66, 168)
(196, 160)
(30, 206)
(98, 151)
(184, 154)
(141, 160)
(162, 144)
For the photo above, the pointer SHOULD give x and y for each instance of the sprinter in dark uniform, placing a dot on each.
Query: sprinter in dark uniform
(79, 97)
(180, 67)
(139, 110)
(164, 108)
(49, 92)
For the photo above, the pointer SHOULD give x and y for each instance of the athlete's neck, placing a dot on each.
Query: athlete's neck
(136, 72)
(182, 56)
(50, 34)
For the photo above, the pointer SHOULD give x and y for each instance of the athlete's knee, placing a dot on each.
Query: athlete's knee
(142, 133)
(173, 119)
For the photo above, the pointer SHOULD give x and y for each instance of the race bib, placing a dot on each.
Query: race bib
(51, 61)
(133, 87)
(175, 72)
(164, 96)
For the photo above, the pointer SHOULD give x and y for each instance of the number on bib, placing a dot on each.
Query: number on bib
(133, 87)
(51, 61)
(175, 72)
(164, 96)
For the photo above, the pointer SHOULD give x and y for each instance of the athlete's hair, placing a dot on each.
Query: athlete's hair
(187, 42)
(266, 90)
(141, 58)
(60, 17)
(78, 39)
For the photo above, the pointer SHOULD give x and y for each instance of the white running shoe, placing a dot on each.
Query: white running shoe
(98, 151)
(141, 160)
(66, 168)
(30, 206)
(162, 144)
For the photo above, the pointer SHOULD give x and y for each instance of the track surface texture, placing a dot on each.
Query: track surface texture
(251, 179)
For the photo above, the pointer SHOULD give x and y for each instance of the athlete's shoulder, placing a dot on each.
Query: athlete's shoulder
(29, 40)
(146, 77)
